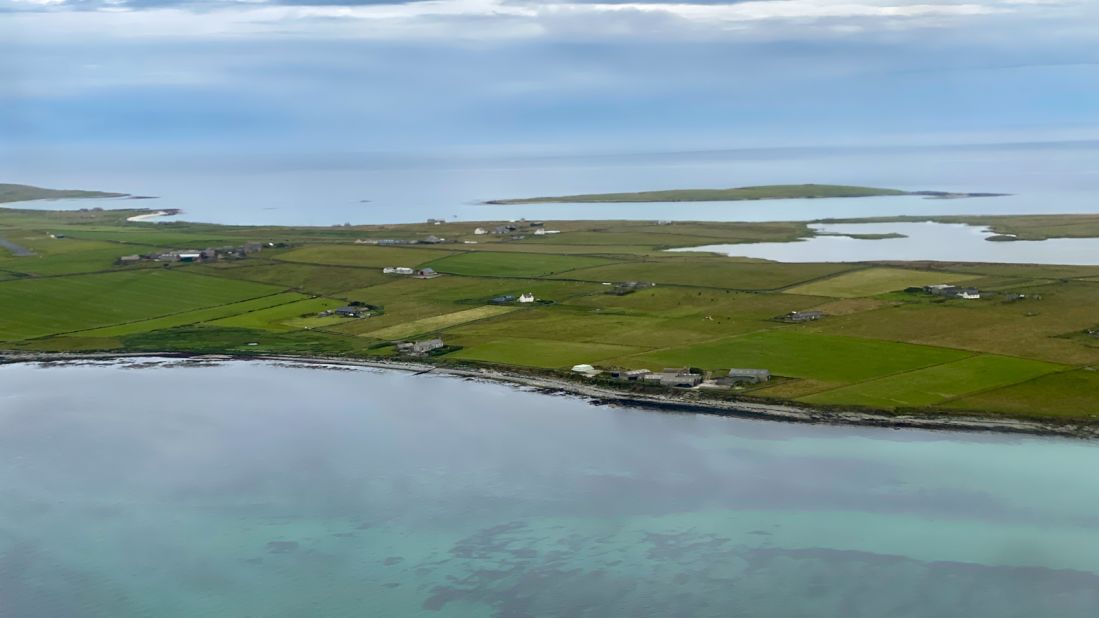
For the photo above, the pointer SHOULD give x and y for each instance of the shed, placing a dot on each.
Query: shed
(749, 376)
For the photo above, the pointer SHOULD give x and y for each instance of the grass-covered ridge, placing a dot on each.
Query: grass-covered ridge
(877, 347)
(765, 192)
(25, 193)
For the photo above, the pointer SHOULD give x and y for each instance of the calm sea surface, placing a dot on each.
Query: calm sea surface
(251, 489)
(362, 189)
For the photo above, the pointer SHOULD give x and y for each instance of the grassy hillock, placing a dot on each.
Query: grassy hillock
(766, 192)
(26, 193)
(878, 347)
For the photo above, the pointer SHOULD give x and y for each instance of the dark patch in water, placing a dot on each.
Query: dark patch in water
(282, 547)
(393, 560)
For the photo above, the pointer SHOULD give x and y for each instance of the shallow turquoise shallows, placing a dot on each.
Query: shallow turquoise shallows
(168, 489)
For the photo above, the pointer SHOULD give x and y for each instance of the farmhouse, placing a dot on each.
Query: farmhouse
(628, 375)
(629, 287)
(797, 317)
(351, 312)
(420, 348)
(745, 376)
(426, 273)
(677, 377)
(397, 270)
(480, 231)
(953, 291)
(527, 298)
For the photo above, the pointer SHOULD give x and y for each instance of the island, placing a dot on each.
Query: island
(26, 193)
(738, 194)
(595, 308)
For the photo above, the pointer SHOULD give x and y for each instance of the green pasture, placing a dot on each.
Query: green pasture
(193, 317)
(491, 264)
(934, 385)
(281, 317)
(1070, 395)
(788, 352)
(38, 307)
(309, 278)
(439, 322)
(363, 255)
(538, 352)
(874, 281)
(711, 272)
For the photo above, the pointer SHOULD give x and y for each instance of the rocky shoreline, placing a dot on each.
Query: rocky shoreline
(603, 395)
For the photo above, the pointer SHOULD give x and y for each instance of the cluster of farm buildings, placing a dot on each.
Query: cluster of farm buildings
(197, 255)
(678, 377)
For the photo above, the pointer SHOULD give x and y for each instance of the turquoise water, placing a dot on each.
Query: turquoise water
(252, 489)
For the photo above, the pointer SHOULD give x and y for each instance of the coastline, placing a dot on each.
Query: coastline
(152, 216)
(603, 395)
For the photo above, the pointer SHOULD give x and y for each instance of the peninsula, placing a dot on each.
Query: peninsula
(26, 193)
(737, 194)
(589, 307)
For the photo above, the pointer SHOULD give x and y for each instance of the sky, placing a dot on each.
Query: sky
(542, 76)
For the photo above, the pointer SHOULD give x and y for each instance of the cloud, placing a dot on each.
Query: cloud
(476, 73)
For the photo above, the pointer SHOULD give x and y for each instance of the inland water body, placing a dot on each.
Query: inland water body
(943, 242)
(185, 489)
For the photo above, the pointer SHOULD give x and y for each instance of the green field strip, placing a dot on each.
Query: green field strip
(938, 384)
(188, 318)
(37, 307)
(791, 353)
(530, 352)
(492, 264)
(439, 322)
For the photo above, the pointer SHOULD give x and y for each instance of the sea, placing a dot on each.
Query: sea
(364, 188)
(172, 488)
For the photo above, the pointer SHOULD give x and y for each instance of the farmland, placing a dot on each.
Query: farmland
(1022, 350)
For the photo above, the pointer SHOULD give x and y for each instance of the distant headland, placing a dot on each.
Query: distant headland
(25, 193)
(736, 194)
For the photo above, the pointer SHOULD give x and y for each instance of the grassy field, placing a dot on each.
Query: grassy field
(801, 355)
(491, 264)
(363, 255)
(282, 317)
(439, 322)
(37, 307)
(874, 281)
(877, 347)
(767, 192)
(1067, 395)
(193, 317)
(540, 353)
(935, 385)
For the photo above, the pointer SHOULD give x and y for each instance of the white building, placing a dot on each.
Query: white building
(480, 231)
(527, 298)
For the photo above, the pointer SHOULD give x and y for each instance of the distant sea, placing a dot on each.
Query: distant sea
(374, 188)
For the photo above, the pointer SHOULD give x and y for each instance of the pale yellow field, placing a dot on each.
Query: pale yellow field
(438, 322)
(873, 281)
